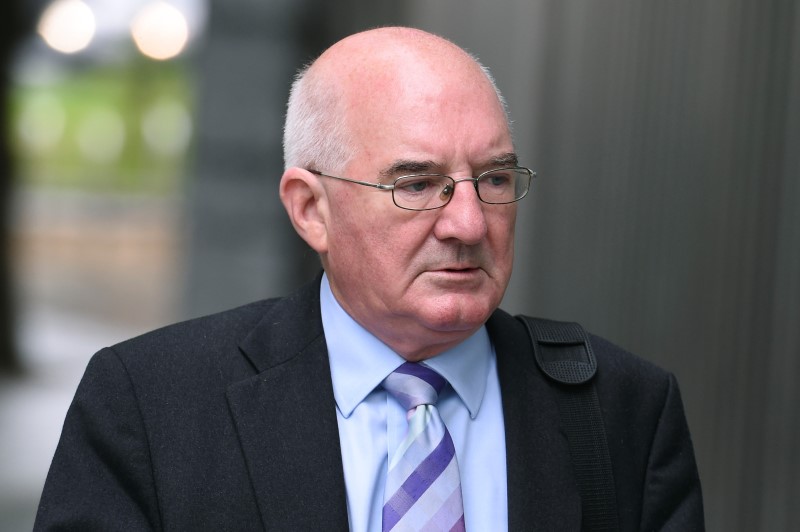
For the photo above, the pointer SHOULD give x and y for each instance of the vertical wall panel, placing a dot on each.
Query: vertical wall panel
(241, 244)
(781, 469)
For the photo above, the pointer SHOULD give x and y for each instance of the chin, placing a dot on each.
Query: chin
(458, 316)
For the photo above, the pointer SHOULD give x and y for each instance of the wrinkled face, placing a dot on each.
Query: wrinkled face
(421, 281)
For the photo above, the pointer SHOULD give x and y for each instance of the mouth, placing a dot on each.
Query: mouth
(456, 273)
(458, 269)
(456, 278)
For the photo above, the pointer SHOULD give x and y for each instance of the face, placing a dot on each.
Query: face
(421, 281)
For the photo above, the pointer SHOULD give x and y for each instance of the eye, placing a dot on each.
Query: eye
(422, 192)
(415, 185)
(501, 186)
(418, 185)
(498, 179)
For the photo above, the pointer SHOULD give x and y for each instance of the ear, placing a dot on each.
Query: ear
(306, 202)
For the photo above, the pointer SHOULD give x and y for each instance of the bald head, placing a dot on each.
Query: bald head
(359, 76)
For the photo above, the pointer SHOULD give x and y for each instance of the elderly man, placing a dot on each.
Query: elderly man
(390, 393)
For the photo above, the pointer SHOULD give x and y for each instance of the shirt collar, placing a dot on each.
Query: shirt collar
(359, 361)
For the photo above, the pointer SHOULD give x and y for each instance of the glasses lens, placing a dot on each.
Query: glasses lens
(422, 192)
(506, 185)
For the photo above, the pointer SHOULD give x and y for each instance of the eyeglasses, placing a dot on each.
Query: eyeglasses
(425, 192)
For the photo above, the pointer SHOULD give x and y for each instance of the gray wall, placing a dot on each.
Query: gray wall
(665, 217)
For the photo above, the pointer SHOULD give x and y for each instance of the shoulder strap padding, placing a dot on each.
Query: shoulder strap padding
(562, 350)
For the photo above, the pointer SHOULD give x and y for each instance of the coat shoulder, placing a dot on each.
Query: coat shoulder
(653, 463)
(614, 362)
(201, 333)
(188, 346)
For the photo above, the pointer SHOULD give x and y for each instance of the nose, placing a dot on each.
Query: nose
(463, 217)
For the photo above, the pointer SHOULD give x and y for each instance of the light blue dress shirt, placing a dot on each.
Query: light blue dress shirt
(372, 424)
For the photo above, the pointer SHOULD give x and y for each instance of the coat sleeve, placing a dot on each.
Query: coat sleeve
(101, 476)
(672, 498)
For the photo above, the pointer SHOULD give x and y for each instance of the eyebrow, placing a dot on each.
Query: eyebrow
(506, 159)
(410, 166)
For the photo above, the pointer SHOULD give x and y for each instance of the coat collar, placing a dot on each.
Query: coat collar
(285, 416)
(286, 330)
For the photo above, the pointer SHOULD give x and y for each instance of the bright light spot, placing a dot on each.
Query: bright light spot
(67, 25)
(41, 123)
(160, 30)
(101, 135)
(167, 128)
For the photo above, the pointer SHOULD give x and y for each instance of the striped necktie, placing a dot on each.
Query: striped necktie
(423, 488)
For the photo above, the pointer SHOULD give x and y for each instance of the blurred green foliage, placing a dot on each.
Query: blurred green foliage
(110, 128)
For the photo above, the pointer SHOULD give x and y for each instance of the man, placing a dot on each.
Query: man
(283, 415)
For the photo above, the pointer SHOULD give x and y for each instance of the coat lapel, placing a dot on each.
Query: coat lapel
(542, 494)
(286, 419)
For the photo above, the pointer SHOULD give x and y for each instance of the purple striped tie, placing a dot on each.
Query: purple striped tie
(423, 488)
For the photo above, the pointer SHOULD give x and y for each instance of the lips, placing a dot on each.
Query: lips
(457, 270)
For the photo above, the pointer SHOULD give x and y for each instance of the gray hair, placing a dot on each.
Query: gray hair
(316, 133)
(500, 97)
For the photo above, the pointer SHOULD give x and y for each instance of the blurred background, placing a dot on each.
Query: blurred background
(140, 157)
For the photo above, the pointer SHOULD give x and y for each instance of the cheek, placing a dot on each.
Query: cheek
(393, 254)
(361, 245)
(501, 231)
(388, 238)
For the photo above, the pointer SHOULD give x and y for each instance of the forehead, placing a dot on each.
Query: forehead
(445, 112)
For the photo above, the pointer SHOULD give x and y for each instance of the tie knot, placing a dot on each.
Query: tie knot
(413, 385)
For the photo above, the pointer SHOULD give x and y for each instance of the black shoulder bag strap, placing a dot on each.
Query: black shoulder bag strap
(563, 352)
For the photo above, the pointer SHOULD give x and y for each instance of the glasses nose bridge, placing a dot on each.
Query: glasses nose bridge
(473, 179)
(474, 184)
(459, 180)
